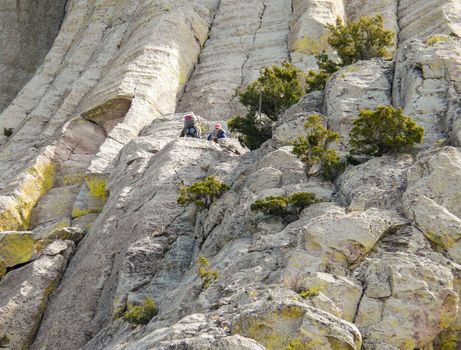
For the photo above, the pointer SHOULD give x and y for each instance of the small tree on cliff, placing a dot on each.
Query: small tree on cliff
(276, 89)
(384, 130)
(361, 40)
(312, 149)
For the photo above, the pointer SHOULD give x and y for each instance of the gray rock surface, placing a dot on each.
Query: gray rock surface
(365, 84)
(96, 163)
(28, 31)
(25, 291)
(427, 87)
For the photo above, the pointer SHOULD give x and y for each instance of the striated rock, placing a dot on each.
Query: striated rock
(378, 183)
(408, 301)
(387, 8)
(336, 288)
(24, 293)
(308, 29)
(432, 198)
(128, 216)
(291, 123)
(329, 236)
(283, 325)
(427, 86)
(422, 18)
(365, 84)
(96, 149)
(28, 31)
(244, 38)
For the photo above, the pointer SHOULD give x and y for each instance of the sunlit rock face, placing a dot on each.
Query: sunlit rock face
(91, 173)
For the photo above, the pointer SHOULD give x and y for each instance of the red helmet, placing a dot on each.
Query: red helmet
(188, 116)
(217, 126)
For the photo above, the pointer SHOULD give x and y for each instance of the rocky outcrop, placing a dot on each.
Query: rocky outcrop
(24, 293)
(431, 198)
(365, 84)
(28, 31)
(308, 29)
(95, 156)
(402, 298)
(423, 18)
(427, 85)
(244, 38)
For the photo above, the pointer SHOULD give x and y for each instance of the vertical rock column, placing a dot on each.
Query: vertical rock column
(28, 29)
(245, 37)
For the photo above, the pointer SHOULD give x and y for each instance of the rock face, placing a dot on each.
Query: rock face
(25, 291)
(90, 177)
(366, 84)
(28, 31)
(427, 86)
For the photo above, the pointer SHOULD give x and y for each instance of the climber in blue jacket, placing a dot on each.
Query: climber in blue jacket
(217, 134)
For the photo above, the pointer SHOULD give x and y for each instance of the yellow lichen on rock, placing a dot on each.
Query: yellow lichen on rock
(37, 181)
(311, 46)
(77, 213)
(269, 329)
(97, 187)
(16, 248)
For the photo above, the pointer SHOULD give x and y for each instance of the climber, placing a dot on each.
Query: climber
(191, 128)
(217, 133)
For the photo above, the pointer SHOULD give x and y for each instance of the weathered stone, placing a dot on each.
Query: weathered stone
(330, 236)
(378, 183)
(244, 38)
(408, 301)
(427, 86)
(422, 18)
(24, 293)
(432, 198)
(308, 29)
(281, 325)
(28, 31)
(365, 84)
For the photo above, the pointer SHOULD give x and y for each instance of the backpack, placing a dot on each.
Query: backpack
(191, 132)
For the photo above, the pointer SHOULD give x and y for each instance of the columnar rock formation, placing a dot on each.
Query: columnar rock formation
(91, 174)
(28, 29)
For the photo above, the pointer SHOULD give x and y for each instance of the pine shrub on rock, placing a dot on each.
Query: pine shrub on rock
(312, 149)
(202, 193)
(141, 314)
(361, 40)
(276, 89)
(355, 41)
(207, 275)
(284, 205)
(383, 130)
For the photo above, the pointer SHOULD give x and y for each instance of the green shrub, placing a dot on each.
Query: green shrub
(202, 193)
(254, 130)
(316, 81)
(206, 275)
(361, 40)
(301, 200)
(8, 131)
(384, 130)
(276, 89)
(309, 293)
(284, 205)
(312, 149)
(141, 314)
(271, 205)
